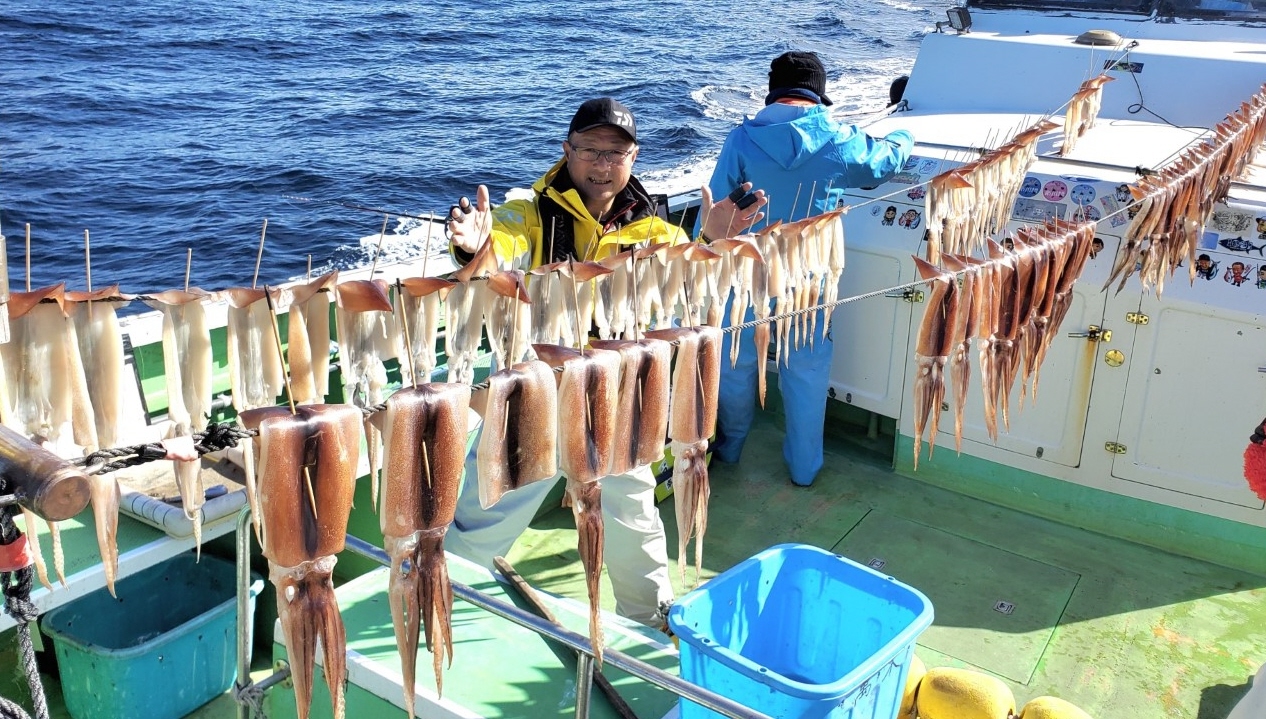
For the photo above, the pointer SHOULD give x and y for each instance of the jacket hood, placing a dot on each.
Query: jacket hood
(791, 134)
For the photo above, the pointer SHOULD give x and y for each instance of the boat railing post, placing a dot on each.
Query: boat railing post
(584, 684)
(244, 629)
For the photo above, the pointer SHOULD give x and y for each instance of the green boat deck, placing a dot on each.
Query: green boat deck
(1122, 630)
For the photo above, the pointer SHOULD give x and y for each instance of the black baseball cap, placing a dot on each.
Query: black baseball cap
(797, 74)
(604, 111)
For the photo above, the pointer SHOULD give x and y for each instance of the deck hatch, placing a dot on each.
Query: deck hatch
(994, 609)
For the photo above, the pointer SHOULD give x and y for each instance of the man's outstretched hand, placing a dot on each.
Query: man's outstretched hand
(735, 214)
(469, 225)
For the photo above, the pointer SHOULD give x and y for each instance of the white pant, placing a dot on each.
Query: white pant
(635, 550)
(1253, 704)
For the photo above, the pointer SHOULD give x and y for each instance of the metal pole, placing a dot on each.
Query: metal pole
(580, 643)
(244, 629)
(584, 684)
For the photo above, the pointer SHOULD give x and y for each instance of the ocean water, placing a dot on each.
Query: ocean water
(160, 125)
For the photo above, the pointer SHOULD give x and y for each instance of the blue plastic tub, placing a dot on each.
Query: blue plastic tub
(796, 631)
(164, 648)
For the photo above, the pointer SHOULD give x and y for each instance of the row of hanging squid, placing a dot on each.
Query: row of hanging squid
(608, 407)
(1012, 304)
(974, 200)
(1174, 203)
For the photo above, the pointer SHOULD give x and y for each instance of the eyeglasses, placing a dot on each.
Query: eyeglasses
(590, 154)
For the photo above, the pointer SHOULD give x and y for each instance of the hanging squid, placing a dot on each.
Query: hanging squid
(424, 452)
(366, 340)
(932, 350)
(308, 343)
(307, 476)
(696, 380)
(518, 443)
(588, 394)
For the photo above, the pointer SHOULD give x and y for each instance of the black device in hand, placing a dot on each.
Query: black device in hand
(741, 198)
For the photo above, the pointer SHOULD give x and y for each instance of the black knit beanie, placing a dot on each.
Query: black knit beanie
(793, 73)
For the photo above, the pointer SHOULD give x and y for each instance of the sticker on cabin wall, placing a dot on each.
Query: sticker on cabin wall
(1085, 213)
(1122, 194)
(1027, 210)
(1096, 246)
(904, 178)
(1239, 244)
(1228, 220)
(1055, 190)
(1261, 228)
(909, 219)
(912, 163)
(1237, 274)
(1082, 194)
(1031, 186)
(929, 167)
(1123, 66)
(1112, 211)
(1206, 268)
(1261, 278)
(917, 193)
(1208, 241)
(890, 215)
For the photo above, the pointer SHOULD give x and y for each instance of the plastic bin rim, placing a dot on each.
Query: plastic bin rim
(257, 586)
(795, 688)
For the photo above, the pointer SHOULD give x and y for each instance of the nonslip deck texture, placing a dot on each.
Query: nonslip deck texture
(1122, 630)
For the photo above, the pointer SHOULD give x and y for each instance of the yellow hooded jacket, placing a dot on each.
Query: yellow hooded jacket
(518, 234)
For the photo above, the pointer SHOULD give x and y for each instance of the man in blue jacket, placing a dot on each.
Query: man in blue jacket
(803, 160)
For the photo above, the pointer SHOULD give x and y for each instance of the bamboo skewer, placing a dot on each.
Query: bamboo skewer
(28, 257)
(259, 256)
(188, 265)
(408, 343)
(382, 234)
(290, 395)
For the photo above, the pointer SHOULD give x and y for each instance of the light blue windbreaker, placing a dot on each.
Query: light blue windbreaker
(785, 149)
(796, 154)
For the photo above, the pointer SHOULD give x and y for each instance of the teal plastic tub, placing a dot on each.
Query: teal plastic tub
(164, 648)
(797, 631)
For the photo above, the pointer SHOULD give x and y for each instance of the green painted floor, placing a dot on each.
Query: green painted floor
(1121, 630)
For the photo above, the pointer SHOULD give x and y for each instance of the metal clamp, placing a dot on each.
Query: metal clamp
(1094, 333)
(909, 295)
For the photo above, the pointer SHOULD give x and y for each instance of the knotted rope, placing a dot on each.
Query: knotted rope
(16, 585)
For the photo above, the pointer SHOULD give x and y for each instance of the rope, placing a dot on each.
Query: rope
(250, 696)
(16, 586)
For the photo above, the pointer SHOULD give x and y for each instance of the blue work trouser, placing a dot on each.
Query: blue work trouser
(803, 377)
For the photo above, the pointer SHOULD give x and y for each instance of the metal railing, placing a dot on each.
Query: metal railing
(579, 643)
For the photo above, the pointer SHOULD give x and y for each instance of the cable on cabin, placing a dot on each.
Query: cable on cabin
(16, 584)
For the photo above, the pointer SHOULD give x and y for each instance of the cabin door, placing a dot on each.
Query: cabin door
(1195, 389)
(872, 336)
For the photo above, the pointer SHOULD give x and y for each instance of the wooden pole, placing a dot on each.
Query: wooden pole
(621, 707)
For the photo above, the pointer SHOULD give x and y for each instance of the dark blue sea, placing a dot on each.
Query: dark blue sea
(160, 125)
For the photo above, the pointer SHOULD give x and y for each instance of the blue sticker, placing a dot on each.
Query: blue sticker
(912, 163)
(1031, 186)
(928, 167)
(1082, 194)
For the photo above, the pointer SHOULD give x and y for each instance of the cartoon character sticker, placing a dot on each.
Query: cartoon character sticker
(1111, 207)
(1122, 193)
(1261, 228)
(1236, 274)
(1261, 278)
(1055, 190)
(1206, 268)
(917, 193)
(1096, 246)
(912, 163)
(890, 214)
(909, 219)
(1082, 194)
(1086, 213)
(1031, 186)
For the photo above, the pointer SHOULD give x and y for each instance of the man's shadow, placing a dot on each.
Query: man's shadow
(1217, 701)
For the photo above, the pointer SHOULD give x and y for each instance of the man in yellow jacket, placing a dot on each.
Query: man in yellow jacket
(588, 206)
